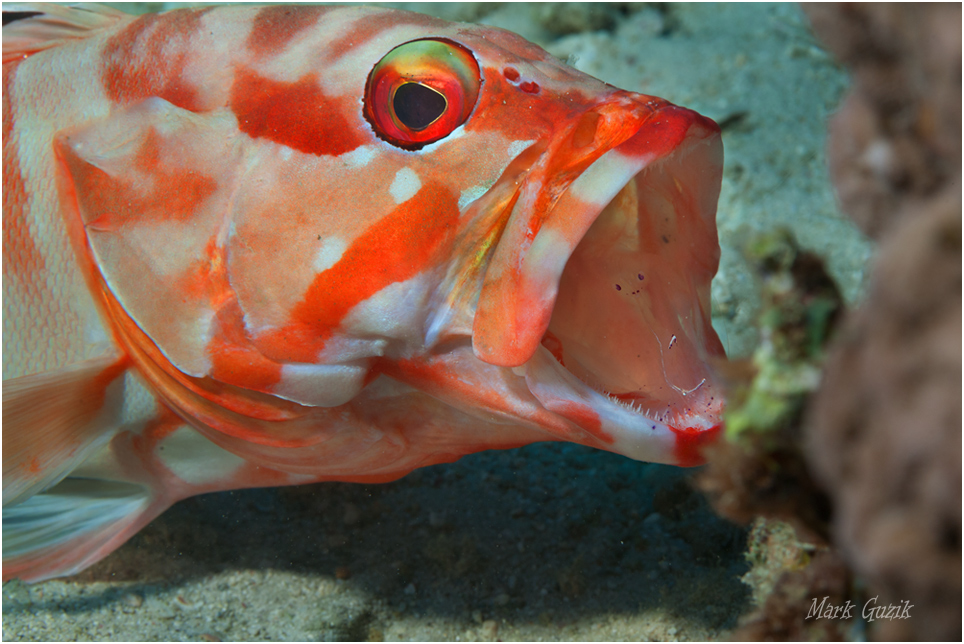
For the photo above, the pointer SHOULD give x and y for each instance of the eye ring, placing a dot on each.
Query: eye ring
(421, 91)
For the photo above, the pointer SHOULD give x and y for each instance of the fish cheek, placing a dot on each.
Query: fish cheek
(411, 239)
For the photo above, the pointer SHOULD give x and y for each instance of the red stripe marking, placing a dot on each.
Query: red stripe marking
(690, 442)
(147, 58)
(298, 115)
(398, 247)
(275, 26)
(582, 415)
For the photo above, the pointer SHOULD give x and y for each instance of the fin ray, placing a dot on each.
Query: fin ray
(56, 25)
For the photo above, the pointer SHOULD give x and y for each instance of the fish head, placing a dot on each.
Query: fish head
(367, 192)
(580, 274)
(528, 244)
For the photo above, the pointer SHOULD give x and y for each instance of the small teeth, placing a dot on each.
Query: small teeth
(636, 408)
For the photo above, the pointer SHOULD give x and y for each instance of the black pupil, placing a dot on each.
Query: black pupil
(417, 106)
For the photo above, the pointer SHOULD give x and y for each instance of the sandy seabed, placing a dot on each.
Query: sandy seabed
(548, 542)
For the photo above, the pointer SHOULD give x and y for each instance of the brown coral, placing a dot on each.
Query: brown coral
(884, 432)
(898, 135)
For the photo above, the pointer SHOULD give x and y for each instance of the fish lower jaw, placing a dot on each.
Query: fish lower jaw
(643, 430)
(694, 407)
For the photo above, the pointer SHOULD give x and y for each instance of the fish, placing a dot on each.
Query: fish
(251, 246)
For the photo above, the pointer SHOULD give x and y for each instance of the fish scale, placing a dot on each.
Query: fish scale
(249, 246)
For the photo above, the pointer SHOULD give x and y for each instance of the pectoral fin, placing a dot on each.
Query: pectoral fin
(53, 420)
(71, 526)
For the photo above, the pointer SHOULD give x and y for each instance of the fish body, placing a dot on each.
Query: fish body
(249, 246)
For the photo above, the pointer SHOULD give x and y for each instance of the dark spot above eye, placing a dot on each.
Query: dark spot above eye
(618, 287)
(417, 106)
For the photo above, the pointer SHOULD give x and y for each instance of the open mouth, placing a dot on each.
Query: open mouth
(631, 317)
(609, 305)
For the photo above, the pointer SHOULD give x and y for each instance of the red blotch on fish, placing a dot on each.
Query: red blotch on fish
(147, 58)
(298, 114)
(362, 31)
(584, 416)
(690, 442)
(108, 202)
(233, 359)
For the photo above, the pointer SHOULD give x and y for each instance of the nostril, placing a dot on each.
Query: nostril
(529, 87)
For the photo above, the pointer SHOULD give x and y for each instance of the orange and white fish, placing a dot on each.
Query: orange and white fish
(249, 246)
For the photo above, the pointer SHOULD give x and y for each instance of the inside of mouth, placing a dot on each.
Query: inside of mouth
(632, 315)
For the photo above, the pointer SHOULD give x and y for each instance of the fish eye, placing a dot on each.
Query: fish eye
(421, 91)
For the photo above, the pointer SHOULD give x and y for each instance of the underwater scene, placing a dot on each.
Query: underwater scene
(518, 499)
